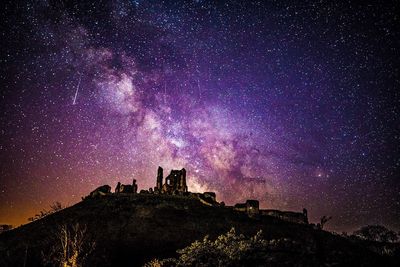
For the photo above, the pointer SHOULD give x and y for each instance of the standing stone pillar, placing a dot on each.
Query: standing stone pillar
(159, 179)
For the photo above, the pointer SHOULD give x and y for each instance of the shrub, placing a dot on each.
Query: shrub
(56, 206)
(229, 249)
(376, 233)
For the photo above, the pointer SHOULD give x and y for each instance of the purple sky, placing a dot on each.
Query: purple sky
(294, 104)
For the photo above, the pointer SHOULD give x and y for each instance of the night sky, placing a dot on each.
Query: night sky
(294, 103)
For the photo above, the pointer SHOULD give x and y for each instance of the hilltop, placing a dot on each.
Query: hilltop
(131, 229)
(126, 228)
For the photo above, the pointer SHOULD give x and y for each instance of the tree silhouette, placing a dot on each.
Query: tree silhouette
(376, 233)
(71, 247)
(324, 219)
(56, 206)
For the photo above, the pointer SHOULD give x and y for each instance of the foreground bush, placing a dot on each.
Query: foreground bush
(377, 233)
(230, 249)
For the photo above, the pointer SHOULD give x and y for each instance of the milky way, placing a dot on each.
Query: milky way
(296, 105)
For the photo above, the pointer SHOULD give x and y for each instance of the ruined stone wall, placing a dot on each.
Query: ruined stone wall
(289, 216)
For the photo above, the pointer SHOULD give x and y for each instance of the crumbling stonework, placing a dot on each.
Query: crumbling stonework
(134, 186)
(123, 188)
(251, 207)
(175, 182)
(290, 216)
(159, 184)
(101, 191)
(118, 188)
(207, 198)
(210, 195)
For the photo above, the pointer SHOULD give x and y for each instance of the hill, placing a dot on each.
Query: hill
(131, 229)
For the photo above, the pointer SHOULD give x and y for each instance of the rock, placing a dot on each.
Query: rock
(101, 191)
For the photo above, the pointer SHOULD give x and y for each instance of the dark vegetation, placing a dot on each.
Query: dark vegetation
(232, 249)
(135, 229)
(377, 233)
(56, 206)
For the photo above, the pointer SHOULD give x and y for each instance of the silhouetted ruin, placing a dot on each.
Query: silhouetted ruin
(175, 184)
(101, 191)
(126, 188)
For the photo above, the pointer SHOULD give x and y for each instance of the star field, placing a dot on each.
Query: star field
(292, 103)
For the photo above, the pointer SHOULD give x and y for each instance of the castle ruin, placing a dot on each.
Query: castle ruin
(175, 184)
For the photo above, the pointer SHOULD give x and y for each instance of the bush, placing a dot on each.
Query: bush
(376, 233)
(229, 249)
(56, 206)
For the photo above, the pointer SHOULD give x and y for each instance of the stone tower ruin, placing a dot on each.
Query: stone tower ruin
(159, 179)
(175, 182)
